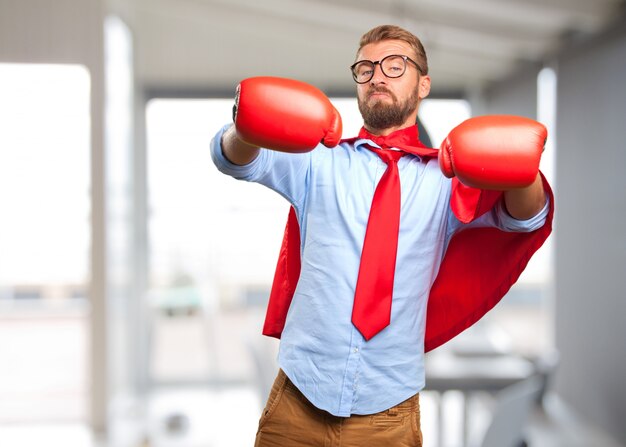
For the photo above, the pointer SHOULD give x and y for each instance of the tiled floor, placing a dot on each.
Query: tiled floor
(43, 393)
(181, 418)
(227, 418)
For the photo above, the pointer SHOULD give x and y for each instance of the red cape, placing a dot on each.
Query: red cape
(478, 269)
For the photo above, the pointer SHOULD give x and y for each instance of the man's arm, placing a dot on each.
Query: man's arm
(524, 203)
(237, 151)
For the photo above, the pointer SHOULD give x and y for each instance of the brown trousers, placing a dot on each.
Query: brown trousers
(290, 420)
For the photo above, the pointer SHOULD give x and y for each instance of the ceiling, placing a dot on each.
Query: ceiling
(209, 45)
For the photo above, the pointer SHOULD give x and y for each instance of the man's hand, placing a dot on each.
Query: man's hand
(494, 152)
(499, 152)
(284, 115)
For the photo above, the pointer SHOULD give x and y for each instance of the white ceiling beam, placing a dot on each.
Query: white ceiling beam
(267, 21)
(469, 42)
(536, 13)
(323, 17)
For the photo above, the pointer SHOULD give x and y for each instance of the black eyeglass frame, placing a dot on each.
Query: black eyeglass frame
(379, 63)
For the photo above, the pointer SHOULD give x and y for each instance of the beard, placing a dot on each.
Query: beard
(381, 115)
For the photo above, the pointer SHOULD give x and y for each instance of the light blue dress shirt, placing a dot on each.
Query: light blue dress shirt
(321, 351)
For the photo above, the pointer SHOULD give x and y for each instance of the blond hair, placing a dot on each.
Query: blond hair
(393, 32)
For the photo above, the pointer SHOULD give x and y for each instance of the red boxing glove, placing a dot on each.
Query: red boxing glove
(285, 115)
(498, 152)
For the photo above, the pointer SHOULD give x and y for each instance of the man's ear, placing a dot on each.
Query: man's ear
(424, 86)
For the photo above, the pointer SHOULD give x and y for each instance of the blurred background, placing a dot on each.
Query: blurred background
(134, 277)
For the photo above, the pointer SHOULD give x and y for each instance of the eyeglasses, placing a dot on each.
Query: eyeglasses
(392, 66)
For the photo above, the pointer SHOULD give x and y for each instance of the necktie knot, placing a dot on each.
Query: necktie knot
(387, 155)
(405, 139)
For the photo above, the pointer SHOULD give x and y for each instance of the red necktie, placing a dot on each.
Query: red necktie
(372, 299)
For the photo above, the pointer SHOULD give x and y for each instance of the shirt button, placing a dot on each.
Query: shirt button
(356, 350)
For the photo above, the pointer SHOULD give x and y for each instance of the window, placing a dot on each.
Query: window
(213, 245)
(44, 241)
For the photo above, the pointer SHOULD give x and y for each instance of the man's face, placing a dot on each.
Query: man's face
(388, 104)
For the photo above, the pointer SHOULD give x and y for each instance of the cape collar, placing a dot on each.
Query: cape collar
(406, 139)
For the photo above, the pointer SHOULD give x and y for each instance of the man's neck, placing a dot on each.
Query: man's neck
(386, 131)
(410, 121)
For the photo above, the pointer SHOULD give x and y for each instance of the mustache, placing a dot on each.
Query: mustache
(379, 89)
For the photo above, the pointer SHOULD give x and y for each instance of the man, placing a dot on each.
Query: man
(374, 225)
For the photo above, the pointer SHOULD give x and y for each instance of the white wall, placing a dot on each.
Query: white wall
(515, 96)
(591, 238)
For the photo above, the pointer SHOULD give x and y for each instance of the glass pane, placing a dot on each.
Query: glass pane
(214, 243)
(44, 242)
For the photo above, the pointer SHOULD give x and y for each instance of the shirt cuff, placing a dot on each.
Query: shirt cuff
(509, 223)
